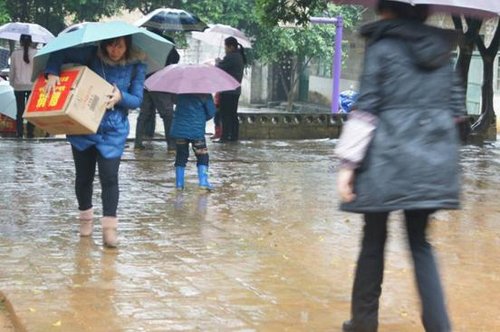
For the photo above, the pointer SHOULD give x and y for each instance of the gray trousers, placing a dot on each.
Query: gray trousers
(370, 269)
(152, 102)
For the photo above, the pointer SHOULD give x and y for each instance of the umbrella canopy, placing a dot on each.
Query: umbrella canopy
(73, 27)
(155, 47)
(13, 31)
(481, 8)
(216, 34)
(191, 78)
(7, 100)
(169, 19)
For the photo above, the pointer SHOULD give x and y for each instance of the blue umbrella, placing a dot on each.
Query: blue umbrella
(170, 19)
(155, 47)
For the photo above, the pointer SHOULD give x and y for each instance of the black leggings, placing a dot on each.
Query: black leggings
(370, 269)
(229, 116)
(85, 165)
(21, 99)
(199, 149)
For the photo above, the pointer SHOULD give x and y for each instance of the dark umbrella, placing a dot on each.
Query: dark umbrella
(169, 19)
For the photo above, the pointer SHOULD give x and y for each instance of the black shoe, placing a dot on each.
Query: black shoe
(139, 146)
(350, 326)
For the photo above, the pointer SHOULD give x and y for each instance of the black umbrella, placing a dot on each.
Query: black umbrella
(169, 19)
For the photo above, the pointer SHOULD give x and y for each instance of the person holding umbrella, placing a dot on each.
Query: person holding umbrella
(157, 101)
(400, 151)
(188, 127)
(193, 85)
(21, 69)
(233, 63)
(119, 63)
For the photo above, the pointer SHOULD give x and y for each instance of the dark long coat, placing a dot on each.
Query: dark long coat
(409, 84)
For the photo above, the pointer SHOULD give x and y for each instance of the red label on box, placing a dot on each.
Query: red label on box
(41, 102)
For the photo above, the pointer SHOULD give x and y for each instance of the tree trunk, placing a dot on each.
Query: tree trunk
(466, 45)
(484, 122)
(293, 84)
(488, 117)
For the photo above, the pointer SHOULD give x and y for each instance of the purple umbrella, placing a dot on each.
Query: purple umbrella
(481, 8)
(191, 78)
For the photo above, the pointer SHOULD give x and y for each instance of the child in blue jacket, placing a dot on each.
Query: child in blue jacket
(188, 127)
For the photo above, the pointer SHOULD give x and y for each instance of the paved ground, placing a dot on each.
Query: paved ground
(267, 251)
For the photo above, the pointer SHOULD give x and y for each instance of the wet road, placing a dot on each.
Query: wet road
(267, 251)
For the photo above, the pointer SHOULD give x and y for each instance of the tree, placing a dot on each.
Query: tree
(4, 14)
(292, 49)
(470, 40)
(51, 13)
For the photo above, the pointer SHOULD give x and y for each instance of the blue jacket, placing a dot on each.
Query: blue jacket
(129, 78)
(190, 116)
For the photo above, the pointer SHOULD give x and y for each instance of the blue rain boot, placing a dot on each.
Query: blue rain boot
(179, 177)
(203, 177)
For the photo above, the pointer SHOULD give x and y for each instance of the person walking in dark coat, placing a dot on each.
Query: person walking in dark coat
(234, 64)
(162, 102)
(400, 151)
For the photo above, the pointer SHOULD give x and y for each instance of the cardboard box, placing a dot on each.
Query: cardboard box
(76, 107)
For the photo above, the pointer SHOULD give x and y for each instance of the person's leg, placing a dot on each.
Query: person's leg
(110, 192)
(150, 126)
(201, 151)
(369, 275)
(217, 125)
(163, 102)
(235, 124)
(147, 111)
(108, 175)
(85, 163)
(225, 116)
(434, 313)
(30, 128)
(202, 159)
(19, 115)
(181, 158)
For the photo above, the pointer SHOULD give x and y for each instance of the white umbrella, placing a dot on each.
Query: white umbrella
(480, 8)
(13, 31)
(216, 34)
(7, 100)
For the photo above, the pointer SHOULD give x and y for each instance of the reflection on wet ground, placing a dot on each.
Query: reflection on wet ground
(267, 251)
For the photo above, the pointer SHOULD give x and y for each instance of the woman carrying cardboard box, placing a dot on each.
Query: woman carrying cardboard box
(120, 64)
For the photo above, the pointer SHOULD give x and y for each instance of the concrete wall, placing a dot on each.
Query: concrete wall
(282, 125)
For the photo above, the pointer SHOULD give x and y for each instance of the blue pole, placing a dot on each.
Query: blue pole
(337, 64)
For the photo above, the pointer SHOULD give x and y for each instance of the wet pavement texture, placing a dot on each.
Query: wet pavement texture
(266, 251)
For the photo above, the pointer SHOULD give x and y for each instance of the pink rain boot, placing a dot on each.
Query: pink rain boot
(109, 236)
(86, 222)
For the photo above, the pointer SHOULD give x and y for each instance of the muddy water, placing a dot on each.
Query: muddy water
(267, 251)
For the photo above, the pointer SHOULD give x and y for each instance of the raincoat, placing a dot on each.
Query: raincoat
(191, 115)
(409, 86)
(129, 78)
